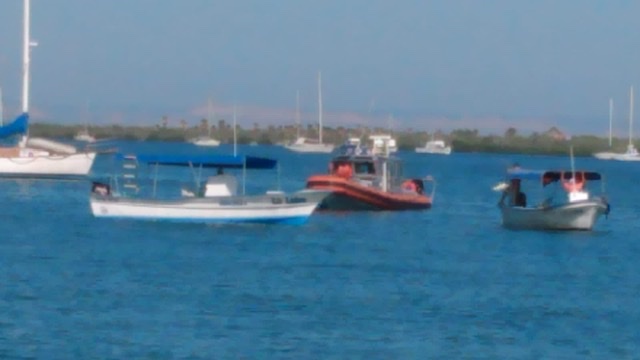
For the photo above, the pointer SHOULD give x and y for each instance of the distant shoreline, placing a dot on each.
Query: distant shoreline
(552, 142)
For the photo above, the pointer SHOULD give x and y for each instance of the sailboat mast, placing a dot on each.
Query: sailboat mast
(25, 58)
(1, 109)
(210, 116)
(235, 142)
(297, 114)
(319, 107)
(610, 120)
(630, 116)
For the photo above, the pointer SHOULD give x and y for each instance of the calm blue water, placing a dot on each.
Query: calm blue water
(449, 282)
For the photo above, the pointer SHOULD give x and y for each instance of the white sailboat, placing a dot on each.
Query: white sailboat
(83, 135)
(434, 146)
(37, 157)
(631, 154)
(207, 140)
(306, 145)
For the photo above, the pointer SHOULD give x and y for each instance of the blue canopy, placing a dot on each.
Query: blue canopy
(19, 126)
(205, 161)
(550, 176)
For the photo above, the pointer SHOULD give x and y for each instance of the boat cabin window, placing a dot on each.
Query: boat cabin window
(365, 168)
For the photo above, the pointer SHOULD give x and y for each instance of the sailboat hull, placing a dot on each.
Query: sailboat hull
(50, 166)
(206, 142)
(311, 148)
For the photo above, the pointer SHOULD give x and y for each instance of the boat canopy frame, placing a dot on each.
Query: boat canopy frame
(201, 162)
(547, 177)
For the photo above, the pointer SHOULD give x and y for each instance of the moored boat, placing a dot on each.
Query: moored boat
(576, 209)
(369, 179)
(218, 200)
(36, 157)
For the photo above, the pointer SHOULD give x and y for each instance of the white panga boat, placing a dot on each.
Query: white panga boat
(217, 201)
(575, 209)
(36, 157)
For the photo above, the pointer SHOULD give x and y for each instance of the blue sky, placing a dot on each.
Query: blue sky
(431, 64)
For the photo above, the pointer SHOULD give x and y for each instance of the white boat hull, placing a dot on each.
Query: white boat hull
(47, 166)
(248, 209)
(580, 215)
(206, 142)
(311, 148)
(445, 151)
(605, 155)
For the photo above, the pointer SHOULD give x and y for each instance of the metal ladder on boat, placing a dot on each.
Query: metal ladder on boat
(130, 174)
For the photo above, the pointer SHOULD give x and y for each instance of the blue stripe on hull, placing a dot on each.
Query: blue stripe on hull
(294, 220)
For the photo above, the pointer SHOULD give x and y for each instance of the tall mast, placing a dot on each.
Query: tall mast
(610, 120)
(630, 115)
(319, 107)
(235, 142)
(297, 114)
(210, 116)
(25, 58)
(1, 109)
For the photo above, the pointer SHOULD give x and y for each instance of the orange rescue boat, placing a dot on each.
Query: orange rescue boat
(362, 179)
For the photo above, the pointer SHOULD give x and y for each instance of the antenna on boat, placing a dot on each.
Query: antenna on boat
(610, 120)
(235, 142)
(630, 115)
(573, 165)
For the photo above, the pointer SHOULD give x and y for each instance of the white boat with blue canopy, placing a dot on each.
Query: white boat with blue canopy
(572, 209)
(216, 200)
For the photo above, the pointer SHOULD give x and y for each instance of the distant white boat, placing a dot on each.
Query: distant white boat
(389, 142)
(631, 154)
(84, 136)
(207, 140)
(435, 147)
(306, 145)
(33, 157)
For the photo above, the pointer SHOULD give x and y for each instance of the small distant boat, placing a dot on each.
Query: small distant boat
(207, 140)
(84, 136)
(390, 142)
(305, 145)
(369, 179)
(577, 210)
(434, 147)
(631, 154)
(217, 201)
